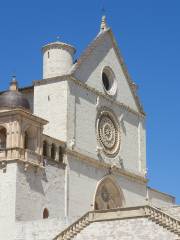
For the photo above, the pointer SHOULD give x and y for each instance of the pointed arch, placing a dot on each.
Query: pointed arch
(108, 194)
(3, 138)
(26, 140)
(29, 138)
(53, 151)
(45, 148)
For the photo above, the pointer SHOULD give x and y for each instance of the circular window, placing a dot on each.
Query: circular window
(108, 132)
(109, 81)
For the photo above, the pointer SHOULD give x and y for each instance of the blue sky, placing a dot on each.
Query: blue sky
(148, 35)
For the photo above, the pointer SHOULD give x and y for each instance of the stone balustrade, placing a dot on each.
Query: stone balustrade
(153, 214)
(20, 154)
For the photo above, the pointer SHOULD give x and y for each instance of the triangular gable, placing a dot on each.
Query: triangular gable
(88, 68)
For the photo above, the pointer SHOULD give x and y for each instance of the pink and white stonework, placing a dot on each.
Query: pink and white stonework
(73, 152)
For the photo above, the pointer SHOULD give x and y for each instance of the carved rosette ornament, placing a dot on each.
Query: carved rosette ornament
(108, 132)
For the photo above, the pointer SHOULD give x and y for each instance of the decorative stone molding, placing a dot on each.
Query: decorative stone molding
(108, 132)
(25, 156)
(102, 164)
(99, 150)
(121, 162)
(93, 45)
(105, 96)
(58, 45)
(150, 212)
(69, 77)
(121, 118)
(26, 165)
(72, 143)
(97, 101)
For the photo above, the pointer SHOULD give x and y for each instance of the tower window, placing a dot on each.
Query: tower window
(109, 81)
(45, 146)
(106, 82)
(53, 151)
(2, 138)
(45, 213)
(48, 55)
(25, 140)
(60, 155)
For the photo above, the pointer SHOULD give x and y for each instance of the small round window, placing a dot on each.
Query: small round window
(109, 81)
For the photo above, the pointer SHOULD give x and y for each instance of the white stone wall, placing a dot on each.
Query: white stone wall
(57, 59)
(160, 199)
(173, 210)
(90, 71)
(127, 229)
(134, 191)
(82, 116)
(50, 103)
(45, 229)
(82, 186)
(7, 201)
(83, 181)
(39, 189)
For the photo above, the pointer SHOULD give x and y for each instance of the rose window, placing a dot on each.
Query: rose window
(108, 133)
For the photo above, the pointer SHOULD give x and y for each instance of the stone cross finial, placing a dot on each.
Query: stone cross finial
(14, 84)
(103, 24)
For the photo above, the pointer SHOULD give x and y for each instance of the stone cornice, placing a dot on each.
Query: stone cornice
(61, 45)
(83, 85)
(126, 73)
(24, 113)
(100, 164)
(23, 89)
(159, 192)
(93, 45)
(108, 98)
(21, 161)
(54, 140)
(51, 80)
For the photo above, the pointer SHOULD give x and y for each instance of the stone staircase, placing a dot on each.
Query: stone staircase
(74, 228)
(152, 213)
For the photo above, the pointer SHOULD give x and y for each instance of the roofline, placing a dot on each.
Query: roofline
(24, 113)
(26, 88)
(90, 48)
(163, 193)
(20, 89)
(69, 77)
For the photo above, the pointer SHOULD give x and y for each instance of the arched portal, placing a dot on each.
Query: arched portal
(30, 138)
(108, 195)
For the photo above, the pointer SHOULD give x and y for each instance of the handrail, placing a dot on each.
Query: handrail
(152, 213)
(25, 155)
(65, 231)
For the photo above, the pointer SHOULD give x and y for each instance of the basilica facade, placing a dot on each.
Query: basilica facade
(73, 152)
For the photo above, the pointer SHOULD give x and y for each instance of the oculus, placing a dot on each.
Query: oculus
(108, 132)
(109, 81)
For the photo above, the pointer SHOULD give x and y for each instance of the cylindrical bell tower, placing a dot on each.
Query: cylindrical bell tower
(57, 59)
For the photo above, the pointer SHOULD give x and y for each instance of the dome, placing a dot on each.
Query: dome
(13, 98)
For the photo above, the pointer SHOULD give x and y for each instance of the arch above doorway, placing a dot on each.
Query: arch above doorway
(108, 194)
